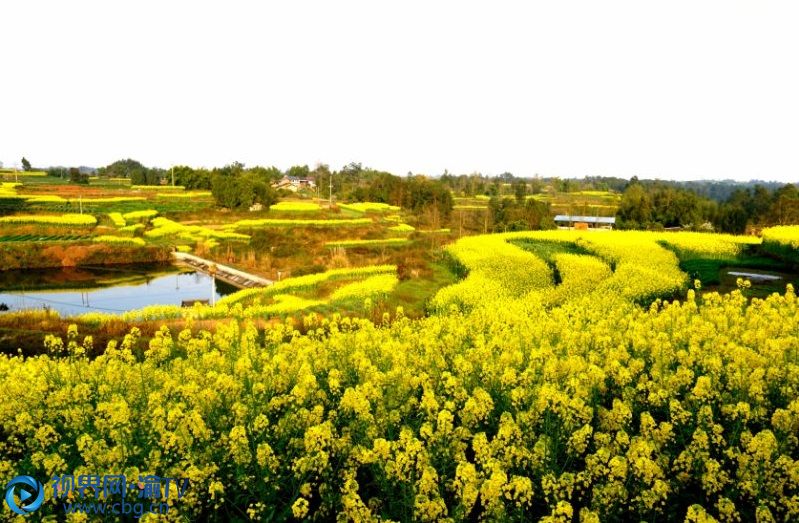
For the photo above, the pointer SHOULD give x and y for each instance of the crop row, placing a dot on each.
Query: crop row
(64, 219)
(42, 238)
(165, 228)
(157, 187)
(642, 268)
(364, 207)
(184, 195)
(296, 207)
(275, 222)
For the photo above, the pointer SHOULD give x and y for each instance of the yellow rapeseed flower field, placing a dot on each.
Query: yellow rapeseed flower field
(784, 234)
(545, 387)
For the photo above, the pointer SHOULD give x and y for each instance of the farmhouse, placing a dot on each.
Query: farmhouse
(294, 183)
(565, 221)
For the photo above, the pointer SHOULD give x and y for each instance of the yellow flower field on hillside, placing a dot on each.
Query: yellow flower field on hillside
(552, 383)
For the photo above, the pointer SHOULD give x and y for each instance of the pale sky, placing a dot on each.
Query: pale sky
(676, 89)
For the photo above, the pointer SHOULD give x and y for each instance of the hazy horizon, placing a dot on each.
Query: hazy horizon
(678, 91)
(438, 175)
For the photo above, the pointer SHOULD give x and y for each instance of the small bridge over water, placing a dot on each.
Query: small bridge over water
(235, 277)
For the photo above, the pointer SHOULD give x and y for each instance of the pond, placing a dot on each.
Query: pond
(763, 282)
(111, 289)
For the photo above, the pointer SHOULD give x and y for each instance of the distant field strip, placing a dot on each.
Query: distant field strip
(368, 207)
(179, 195)
(296, 207)
(275, 222)
(386, 242)
(158, 187)
(64, 219)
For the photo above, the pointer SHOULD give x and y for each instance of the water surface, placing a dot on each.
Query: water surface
(106, 289)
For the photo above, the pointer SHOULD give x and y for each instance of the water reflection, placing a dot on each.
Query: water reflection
(106, 289)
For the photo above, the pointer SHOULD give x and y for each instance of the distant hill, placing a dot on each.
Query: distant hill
(83, 169)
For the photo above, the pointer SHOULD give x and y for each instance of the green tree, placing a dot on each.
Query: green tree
(520, 189)
(75, 176)
(26, 165)
(785, 207)
(732, 219)
(236, 188)
(635, 205)
(192, 178)
(138, 173)
(300, 171)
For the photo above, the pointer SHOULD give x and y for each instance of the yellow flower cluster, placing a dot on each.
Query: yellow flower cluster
(365, 283)
(787, 235)
(106, 238)
(631, 264)
(495, 268)
(295, 207)
(707, 245)
(45, 198)
(54, 198)
(382, 284)
(541, 390)
(9, 190)
(184, 195)
(593, 410)
(144, 215)
(26, 173)
(8, 186)
(307, 282)
(132, 229)
(403, 227)
(580, 275)
(51, 219)
(363, 207)
(117, 219)
(164, 227)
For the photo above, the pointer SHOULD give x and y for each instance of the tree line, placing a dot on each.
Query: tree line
(725, 205)
(654, 205)
(236, 186)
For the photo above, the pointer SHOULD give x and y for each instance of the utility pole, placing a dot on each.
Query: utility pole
(173, 176)
(212, 272)
(330, 203)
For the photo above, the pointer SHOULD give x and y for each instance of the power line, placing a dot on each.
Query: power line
(28, 297)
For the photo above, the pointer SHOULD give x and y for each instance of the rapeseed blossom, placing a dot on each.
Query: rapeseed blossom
(507, 404)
